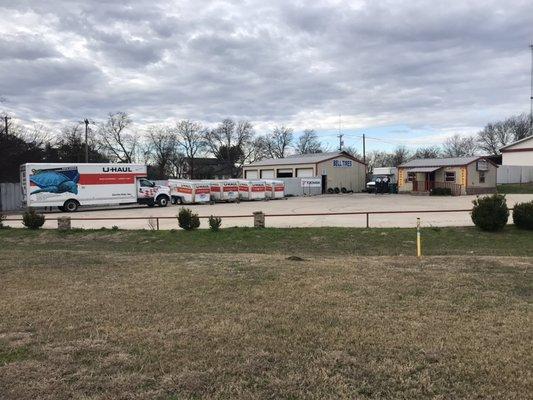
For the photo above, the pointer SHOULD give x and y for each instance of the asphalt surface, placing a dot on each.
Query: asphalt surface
(360, 202)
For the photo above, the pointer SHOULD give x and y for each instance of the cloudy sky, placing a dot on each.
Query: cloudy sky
(406, 72)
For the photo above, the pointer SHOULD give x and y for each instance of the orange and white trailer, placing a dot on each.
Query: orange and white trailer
(188, 192)
(252, 190)
(216, 189)
(275, 189)
(230, 190)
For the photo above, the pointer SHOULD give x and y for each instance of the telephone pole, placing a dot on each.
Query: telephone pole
(86, 121)
(364, 149)
(340, 135)
(531, 95)
(6, 118)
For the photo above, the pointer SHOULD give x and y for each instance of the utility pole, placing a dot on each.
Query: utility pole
(364, 149)
(531, 95)
(86, 121)
(6, 118)
(340, 135)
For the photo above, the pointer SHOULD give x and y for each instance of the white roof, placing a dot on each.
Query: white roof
(517, 142)
(301, 159)
(440, 162)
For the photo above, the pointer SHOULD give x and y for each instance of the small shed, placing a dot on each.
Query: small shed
(462, 175)
(518, 153)
(337, 169)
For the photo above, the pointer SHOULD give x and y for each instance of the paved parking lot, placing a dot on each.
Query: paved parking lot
(298, 205)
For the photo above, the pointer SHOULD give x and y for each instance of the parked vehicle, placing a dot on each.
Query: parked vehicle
(189, 192)
(68, 186)
(380, 173)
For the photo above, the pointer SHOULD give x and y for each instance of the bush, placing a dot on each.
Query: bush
(490, 213)
(441, 192)
(32, 220)
(187, 220)
(214, 223)
(523, 215)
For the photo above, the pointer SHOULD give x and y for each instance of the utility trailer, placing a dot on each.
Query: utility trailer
(70, 185)
(188, 192)
(251, 189)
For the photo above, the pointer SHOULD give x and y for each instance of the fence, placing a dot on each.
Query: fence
(10, 196)
(155, 220)
(514, 174)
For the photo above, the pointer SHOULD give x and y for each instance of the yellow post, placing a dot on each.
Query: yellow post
(418, 241)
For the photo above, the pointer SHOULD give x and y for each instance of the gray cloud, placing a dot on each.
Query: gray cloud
(417, 63)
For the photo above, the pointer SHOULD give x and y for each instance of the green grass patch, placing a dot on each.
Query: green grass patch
(12, 354)
(515, 188)
(301, 241)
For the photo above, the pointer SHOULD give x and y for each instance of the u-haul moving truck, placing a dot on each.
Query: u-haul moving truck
(184, 191)
(68, 186)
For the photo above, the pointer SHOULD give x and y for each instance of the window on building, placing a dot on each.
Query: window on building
(411, 176)
(449, 176)
(481, 176)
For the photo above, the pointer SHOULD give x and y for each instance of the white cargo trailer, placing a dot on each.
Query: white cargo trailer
(188, 192)
(216, 189)
(230, 190)
(274, 189)
(251, 190)
(68, 185)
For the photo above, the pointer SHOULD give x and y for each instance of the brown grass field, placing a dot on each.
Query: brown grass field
(84, 323)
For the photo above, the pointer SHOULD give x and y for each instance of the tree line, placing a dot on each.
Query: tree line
(171, 150)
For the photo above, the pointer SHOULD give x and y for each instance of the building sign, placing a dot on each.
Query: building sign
(482, 165)
(342, 163)
(311, 182)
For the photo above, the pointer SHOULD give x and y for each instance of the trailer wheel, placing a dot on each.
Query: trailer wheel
(71, 205)
(162, 201)
(178, 200)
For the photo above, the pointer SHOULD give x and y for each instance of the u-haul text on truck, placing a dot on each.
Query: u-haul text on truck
(68, 186)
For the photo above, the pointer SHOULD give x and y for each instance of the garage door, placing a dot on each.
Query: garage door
(267, 174)
(304, 172)
(250, 174)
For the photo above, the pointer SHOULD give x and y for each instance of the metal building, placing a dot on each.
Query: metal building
(335, 169)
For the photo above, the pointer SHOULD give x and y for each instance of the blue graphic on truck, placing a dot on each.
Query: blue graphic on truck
(56, 180)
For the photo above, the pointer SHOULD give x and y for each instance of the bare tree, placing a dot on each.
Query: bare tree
(308, 143)
(231, 143)
(428, 152)
(163, 148)
(400, 155)
(376, 159)
(279, 141)
(190, 137)
(352, 150)
(495, 135)
(460, 146)
(117, 141)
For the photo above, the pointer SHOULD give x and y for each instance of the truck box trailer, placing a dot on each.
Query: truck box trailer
(188, 192)
(251, 189)
(274, 189)
(70, 185)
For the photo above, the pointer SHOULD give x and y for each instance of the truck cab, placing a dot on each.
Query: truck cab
(151, 194)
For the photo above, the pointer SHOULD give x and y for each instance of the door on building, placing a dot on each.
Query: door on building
(324, 183)
(284, 173)
(250, 174)
(267, 174)
(304, 172)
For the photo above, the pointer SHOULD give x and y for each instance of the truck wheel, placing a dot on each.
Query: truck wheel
(162, 201)
(70, 205)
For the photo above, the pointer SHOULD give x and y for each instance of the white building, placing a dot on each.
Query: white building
(336, 169)
(518, 153)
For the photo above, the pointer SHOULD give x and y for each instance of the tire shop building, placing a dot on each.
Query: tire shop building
(335, 169)
(462, 175)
